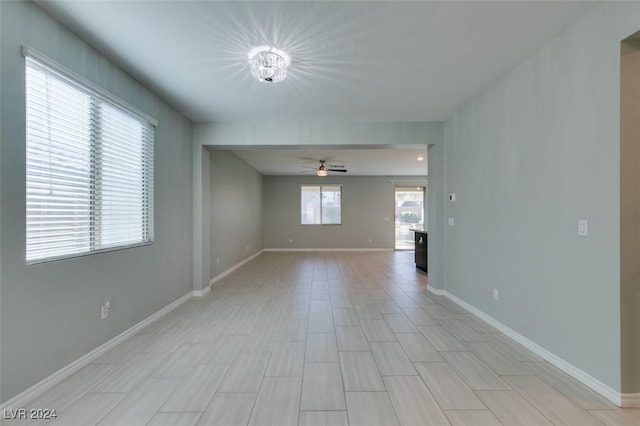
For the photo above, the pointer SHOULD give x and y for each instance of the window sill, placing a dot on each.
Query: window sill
(84, 254)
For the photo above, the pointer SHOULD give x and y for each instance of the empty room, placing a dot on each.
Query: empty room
(319, 213)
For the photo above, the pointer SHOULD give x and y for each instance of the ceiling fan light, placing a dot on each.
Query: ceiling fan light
(322, 172)
(268, 64)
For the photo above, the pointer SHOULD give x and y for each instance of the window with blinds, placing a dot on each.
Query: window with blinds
(89, 168)
(320, 204)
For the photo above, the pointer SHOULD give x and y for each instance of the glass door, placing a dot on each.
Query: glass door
(410, 214)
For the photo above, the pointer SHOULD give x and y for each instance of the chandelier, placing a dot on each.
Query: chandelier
(268, 64)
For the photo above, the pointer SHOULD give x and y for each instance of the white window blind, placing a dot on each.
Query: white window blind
(320, 204)
(89, 171)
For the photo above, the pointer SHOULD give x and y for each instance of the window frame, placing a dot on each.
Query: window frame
(96, 93)
(320, 186)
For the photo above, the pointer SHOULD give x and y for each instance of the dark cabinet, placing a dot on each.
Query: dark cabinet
(421, 250)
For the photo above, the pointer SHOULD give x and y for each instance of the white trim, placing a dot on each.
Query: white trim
(200, 293)
(436, 291)
(24, 398)
(630, 400)
(578, 374)
(84, 253)
(328, 249)
(233, 268)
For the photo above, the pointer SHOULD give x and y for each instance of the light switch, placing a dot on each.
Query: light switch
(452, 221)
(452, 198)
(583, 229)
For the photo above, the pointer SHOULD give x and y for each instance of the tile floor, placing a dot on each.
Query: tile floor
(324, 339)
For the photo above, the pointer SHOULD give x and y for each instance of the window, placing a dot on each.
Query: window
(89, 167)
(321, 204)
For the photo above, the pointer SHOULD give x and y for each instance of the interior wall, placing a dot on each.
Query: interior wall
(317, 134)
(528, 158)
(50, 312)
(367, 213)
(435, 207)
(630, 214)
(235, 211)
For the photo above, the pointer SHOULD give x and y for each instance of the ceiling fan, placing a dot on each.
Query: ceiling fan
(324, 170)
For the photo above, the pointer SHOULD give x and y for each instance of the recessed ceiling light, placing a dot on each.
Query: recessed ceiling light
(420, 158)
(268, 64)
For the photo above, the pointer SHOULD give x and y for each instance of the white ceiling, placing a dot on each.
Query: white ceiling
(350, 60)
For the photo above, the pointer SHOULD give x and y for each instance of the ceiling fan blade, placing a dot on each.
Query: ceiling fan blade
(337, 170)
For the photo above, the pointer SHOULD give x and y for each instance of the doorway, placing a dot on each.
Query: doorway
(410, 214)
(629, 217)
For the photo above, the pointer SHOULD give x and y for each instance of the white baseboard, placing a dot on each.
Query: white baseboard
(24, 398)
(233, 268)
(436, 291)
(578, 374)
(328, 249)
(200, 293)
(631, 400)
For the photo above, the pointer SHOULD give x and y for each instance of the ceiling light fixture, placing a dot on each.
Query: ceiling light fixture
(268, 64)
(322, 170)
(420, 158)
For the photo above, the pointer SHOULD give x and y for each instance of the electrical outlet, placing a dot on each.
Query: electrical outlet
(496, 296)
(290, 240)
(452, 221)
(370, 240)
(104, 310)
(217, 260)
(583, 227)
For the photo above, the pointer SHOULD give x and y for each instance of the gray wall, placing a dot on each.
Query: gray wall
(435, 206)
(367, 213)
(50, 313)
(235, 211)
(527, 158)
(630, 214)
